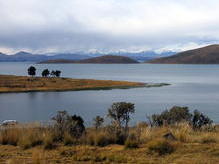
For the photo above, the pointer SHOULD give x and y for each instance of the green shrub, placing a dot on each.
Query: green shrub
(161, 147)
(179, 114)
(200, 120)
(64, 122)
(175, 115)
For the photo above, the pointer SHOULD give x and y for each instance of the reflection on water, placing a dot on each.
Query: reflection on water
(196, 86)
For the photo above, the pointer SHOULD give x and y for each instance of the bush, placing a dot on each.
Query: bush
(200, 120)
(161, 147)
(117, 135)
(64, 123)
(175, 115)
(178, 115)
(75, 126)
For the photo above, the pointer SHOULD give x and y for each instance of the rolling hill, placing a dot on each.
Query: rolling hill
(106, 59)
(204, 55)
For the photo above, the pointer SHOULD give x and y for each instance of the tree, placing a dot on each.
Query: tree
(120, 113)
(53, 73)
(45, 73)
(98, 121)
(56, 73)
(31, 71)
(60, 123)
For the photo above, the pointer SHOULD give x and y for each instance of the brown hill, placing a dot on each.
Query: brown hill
(204, 55)
(106, 59)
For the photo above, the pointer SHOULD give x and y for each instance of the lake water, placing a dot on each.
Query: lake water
(195, 86)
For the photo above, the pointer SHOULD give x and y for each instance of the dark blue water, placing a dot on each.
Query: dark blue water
(196, 86)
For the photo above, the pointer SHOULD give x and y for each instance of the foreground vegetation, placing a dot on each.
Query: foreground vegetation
(9, 83)
(180, 137)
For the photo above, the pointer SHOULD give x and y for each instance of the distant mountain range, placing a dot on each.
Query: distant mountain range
(25, 56)
(28, 57)
(106, 59)
(204, 55)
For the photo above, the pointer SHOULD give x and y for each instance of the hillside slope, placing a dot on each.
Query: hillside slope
(204, 55)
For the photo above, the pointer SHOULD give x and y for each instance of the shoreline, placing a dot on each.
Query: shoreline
(24, 84)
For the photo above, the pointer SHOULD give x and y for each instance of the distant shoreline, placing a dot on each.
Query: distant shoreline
(17, 84)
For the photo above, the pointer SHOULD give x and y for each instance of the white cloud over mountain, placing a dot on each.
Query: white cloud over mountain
(107, 25)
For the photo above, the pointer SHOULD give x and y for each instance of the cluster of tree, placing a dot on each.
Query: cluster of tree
(45, 73)
(179, 114)
(120, 114)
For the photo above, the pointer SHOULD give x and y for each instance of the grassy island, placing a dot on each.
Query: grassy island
(10, 83)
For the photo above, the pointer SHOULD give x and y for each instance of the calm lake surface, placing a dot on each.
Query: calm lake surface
(195, 86)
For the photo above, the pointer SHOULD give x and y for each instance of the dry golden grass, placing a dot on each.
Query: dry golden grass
(9, 83)
(189, 147)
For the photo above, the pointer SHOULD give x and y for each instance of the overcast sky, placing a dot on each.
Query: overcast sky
(107, 25)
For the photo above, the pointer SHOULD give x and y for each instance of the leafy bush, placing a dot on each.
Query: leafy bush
(199, 120)
(117, 134)
(74, 125)
(175, 115)
(180, 114)
(161, 147)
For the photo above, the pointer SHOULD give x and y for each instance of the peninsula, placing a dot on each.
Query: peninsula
(10, 83)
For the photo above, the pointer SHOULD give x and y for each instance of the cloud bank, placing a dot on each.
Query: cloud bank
(107, 25)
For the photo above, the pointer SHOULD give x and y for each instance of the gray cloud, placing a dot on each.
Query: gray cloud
(107, 25)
